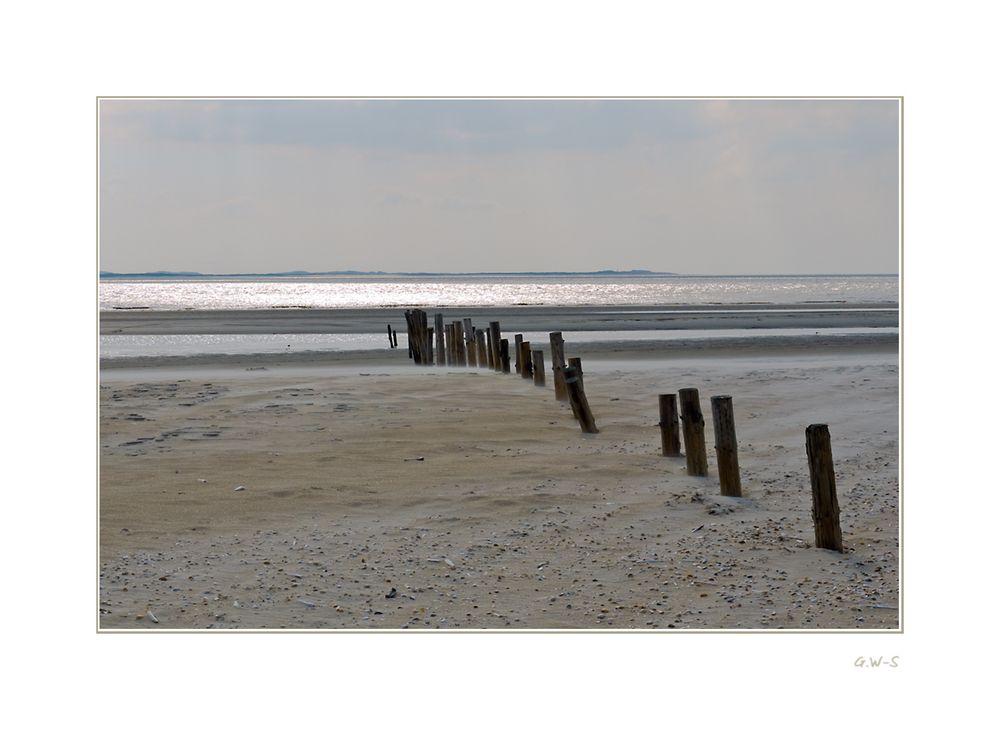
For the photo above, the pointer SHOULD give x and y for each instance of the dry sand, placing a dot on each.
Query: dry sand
(383, 495)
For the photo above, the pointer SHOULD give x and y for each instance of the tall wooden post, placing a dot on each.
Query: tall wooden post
(725, 445)
(428, 343)
(578, 400)
(481, 349)
(538, 367)
(388, 329)
(489, 348)
(694, 432)
(395, 340)
(495, 344)
(558, 362)
(504, 356)
(469, 340)
(459, 343)
(670, 434)
(439, 338)
(526, 368)
(518, 339)
(826, 510)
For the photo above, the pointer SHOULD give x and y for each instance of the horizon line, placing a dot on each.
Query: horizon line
(355, 272)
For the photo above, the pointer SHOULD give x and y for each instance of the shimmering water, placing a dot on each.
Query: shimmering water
(491, 291)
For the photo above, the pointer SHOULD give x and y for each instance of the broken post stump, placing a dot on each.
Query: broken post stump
(504, 356)
(538, 367)
(725, 445)
(826, 510)
(670, 433)
(518, 339)
(558, 362)
(578, 400)
(694, 432)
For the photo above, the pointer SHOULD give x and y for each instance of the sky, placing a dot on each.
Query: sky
(724, 186)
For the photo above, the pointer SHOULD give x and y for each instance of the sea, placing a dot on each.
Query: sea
(472, 290)
(468, 290)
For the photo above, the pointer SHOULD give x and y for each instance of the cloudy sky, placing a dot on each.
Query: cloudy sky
(688, 186)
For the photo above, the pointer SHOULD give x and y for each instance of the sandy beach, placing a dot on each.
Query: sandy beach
(356, 491)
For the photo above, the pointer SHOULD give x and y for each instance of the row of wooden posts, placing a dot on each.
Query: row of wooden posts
(460, 344)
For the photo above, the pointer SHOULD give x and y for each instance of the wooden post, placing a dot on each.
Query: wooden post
(576, 363)
(518, 339)
(473, 349)
(505, 356)
(694, 432)
(826, 510)
(495, 345)
(395, 340)
(670, 434)
(526, 368)
(481, 349)
(489, 348)
(388, 329)
(439, 339)
(725, 445)
(538, 367)
(459, 343)
(470, 341)
(558, 362)
(578, 400)
(428, 344)
(409, 335)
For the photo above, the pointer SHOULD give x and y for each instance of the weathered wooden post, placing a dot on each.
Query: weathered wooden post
(428, 343)
(481, 349)
(470, 341)
(558, 362)
(518, 339)
(459, 343)
(395, 340)
(538, 367)
(495, 345)
(725, 445)
(694, 432)
(439, 339)
(826, 510)
(449, 345)
(526, 369)
(409, 335)
(504, 356)
(576, 363)
(473, 349)
(388, 329)
(489, 348)
(670, 434)
(578, 400)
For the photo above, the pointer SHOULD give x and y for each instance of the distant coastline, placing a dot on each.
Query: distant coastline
(199, 275)
(605, 272)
